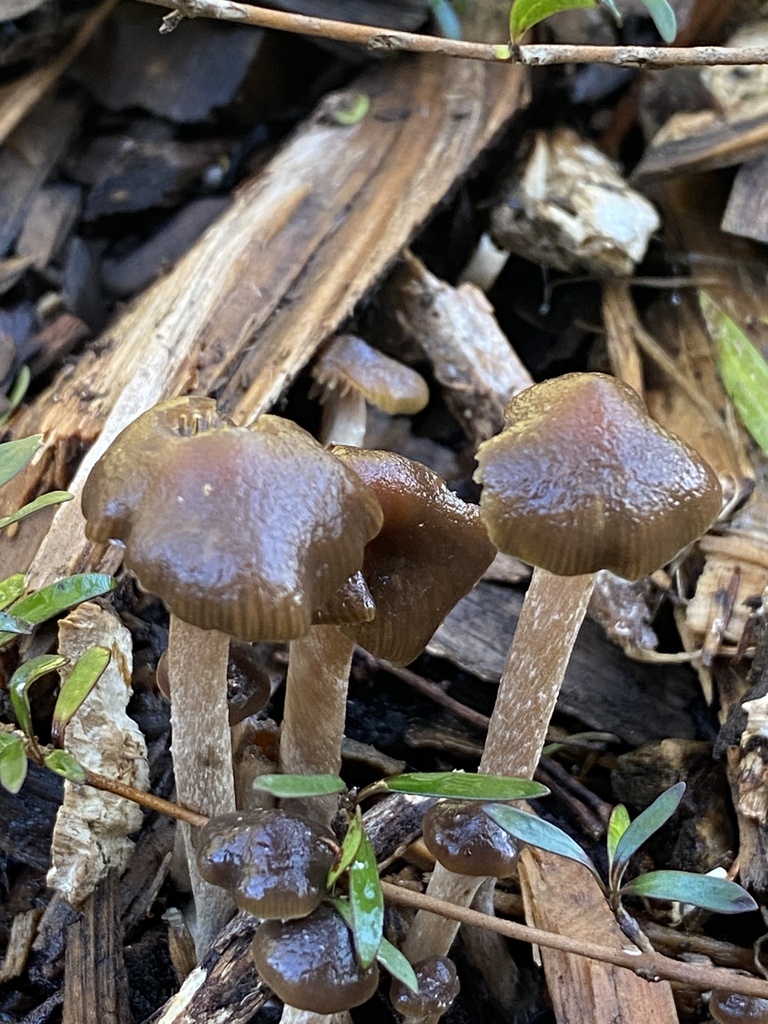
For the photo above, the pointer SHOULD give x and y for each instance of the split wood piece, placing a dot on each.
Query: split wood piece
(471, 357)
(277, 273)
(583, 989)
(619, 317)
(95, 980)
(28, 818)
(23, 931)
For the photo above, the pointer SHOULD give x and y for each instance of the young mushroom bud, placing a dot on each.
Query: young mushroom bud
(274, 864)
(438, 988)
(734, 1008)
(464, 839)
(311, 964)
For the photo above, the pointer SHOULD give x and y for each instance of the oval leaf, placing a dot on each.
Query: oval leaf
(11, 588)
(12, 624)
(15, 455)
(349, 848)
(367, 902)
(62, 763)
(716, 894)
(527, 13)
(22, 679)
(446, 18)
(52, 600)
(663, 18)
(465, 786)
(532, 830)
(85, 673)
(643, 827)
(15, 395)
(13, 762)
(399, 966)
(44, 501)
(287, 786)
(617, 826)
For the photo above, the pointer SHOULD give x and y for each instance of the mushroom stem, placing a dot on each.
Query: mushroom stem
(344, 417)
(202, 753)
(315, 709)
(550, 620)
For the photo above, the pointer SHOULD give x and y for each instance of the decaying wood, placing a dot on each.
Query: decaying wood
(20, 942)
(583, 989)
(280, 270)
(28, 818)
(95, 982)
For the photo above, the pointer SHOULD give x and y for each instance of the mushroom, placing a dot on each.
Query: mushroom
(734, 1008)
(311, 964)
(465, 840)
(242, 532)
(438, 986)
(351, 373)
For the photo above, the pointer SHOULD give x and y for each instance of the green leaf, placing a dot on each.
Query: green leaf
(13, 762)
(44, 501)
(399, 966)
(85, 673)
(58, 597)
(12, 624)
(349, 848)
(465, 786)
(527, 13)
(367, 902)
(612, 8)
(15, 395)
(22, 679)
(62, 763)
(743, 370)
(286, 786)
(11, 588)
(536, 832)
(643, 827)
(352, 108)
(716, 894)
(446, 18)
(15, 455)
(617, 826)
(663, 18)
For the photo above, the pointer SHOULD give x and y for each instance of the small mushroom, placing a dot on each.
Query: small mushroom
(351, 373)
(734, 1008)
(438, 987)
(311, 963)
(464, 839)
(274, 864)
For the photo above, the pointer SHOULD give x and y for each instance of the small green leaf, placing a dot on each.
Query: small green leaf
(399, 966)
(613, 9)
(13, 762)
(349, 848)
(643, 827)
(85, 673)
(743, 370)
(12, 624)
(716, 894)
(59, 597)
(465, 786)
(536, 832)
(15, 455)
(663, 18)
(44, 501)
(617, 826)
(22, 679)
(527, 13)
(11, 588)
(367, 902)
(15, 395)
(351, 108)
(286, 786)
(62, 763)
(446, 18)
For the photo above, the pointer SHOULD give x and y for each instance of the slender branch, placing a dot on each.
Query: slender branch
(148, 800)
(651, 966)
(376, 38)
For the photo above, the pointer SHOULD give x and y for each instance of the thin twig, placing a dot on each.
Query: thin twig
(149, 800)
(377, 38)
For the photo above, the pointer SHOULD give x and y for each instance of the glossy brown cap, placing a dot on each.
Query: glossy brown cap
(734, 1008)
(438, 988)
(248, 531)
(274, 864)
(311, 963)
(432, 549)
(465, 840)
(350, 363)
(582, 479)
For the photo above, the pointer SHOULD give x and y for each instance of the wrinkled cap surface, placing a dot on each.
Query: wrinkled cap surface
(349, 362)
(465, 840)
(248, 531)
(582, 479)
(734, 1008)
(438, 987)
(273, 863)
(311, 963)
(432, 549)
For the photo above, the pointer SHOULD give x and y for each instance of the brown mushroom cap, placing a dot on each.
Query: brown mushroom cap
(432, 549)
(438, 988)
(734, 1008)
(248, 531)
(274, 864)
(465, 840)
(350, 363)
(582, 479)
(311, 963)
